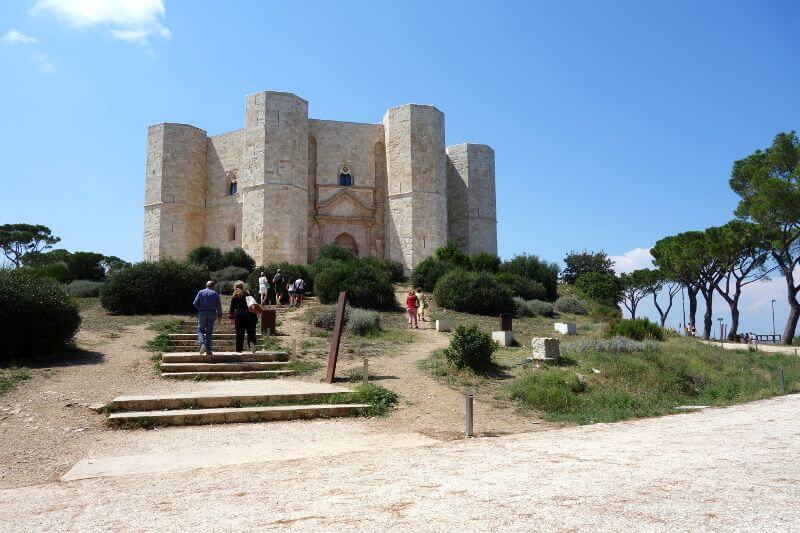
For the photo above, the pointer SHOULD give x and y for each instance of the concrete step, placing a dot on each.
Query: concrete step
(243, 374)
(223, 367)
(226, 415)
(223, 357)
(210, 400)
(218, 347)
(215, 335)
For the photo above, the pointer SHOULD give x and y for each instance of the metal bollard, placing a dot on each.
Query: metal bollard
(781, 382)
(365, 370)
(469, 398)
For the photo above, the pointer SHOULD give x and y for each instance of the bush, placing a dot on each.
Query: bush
(451, 253)
(485, 261)
(226, 287)
(325, 318)
(37, 314)
(473, 292)
(84, 288)
(335, 252)
(570, 305)
(86, 265)
(605, 313)
(535, 269)
(165, 286)
(428, 273)
(393, 269)
(637, 329)
(532, 308)
(58, 271)
(521, 286)
(601, 287)
(379, 399)
(470, 348)
(614, 345)
(366, 285)
(238, 258)
(206, 256)
(363, 322)
(230, 273)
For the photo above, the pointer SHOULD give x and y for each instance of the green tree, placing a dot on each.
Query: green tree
(113, 264)
(580, 263)
(238, 258)
(535, 269)
(86, 265)
(603, 287)
(16, 240)
(206, 256)
(485, 261)
(768, 183)
(672, 255)
(660, 283)
(451, 253)
(635, 287)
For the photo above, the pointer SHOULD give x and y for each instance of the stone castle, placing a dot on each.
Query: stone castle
(286, 185)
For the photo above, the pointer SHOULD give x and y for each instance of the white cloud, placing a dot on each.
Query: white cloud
(17, 37)
(128, 20)
(43, 60)
(632, 260)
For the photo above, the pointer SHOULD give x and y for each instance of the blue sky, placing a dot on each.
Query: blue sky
(614, 124)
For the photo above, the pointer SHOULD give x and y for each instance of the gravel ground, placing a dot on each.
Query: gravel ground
(731, 469)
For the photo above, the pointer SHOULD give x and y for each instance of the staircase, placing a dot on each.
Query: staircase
(223, 408)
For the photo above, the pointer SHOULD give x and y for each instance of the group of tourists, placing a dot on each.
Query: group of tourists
(244, 309)
(282, 290)
(416, 304)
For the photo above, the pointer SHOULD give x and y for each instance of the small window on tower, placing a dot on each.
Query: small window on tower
(233, 187)
(345, 178)
(231, 233)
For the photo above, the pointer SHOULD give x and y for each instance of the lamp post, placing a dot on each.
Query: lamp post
(773, 321)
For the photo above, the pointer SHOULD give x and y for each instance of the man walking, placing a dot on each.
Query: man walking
(209, 310)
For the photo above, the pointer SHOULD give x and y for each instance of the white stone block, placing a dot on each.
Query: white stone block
(503, 338)
(443, 325)
(566, 328)
(546, 349)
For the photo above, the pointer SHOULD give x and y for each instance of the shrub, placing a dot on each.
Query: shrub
(58, 271)
(532, 308)
(521, 286)
(485, 261)
(535, 269)
(570, 305)
(37, 314)
(230, 273)
(428, 273)
(206, 256)
(226, 287)
(85, 265)
(614, 345)
(601, 287)
(393, 269)
(335, 252)
(473, 292)
(238, 258)
(380, 399)
(325, 318)
(605, 313)
(363, 322)
(84, 288)
(637, 329)
(470, 348)
(165, 286)
(451, 253)
(366, 285)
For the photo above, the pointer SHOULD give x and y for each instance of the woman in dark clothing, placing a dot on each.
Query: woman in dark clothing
(242, 318)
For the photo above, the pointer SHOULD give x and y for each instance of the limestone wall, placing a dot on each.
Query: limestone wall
(275, 178)
(417, 182)
(224, 211)
(174, 190)
(471, 204)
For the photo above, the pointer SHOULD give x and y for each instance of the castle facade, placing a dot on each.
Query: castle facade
(286, 185)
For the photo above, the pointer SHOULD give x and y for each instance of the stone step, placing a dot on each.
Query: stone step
(215, 335)
(223, 357)
(223, 345)
(217, 347)
(223, 367)
(243, 374)
(210, 400)
(226, 415)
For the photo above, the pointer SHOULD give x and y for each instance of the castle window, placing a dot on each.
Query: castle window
(232, 184)
(231, 233)
(345, 178)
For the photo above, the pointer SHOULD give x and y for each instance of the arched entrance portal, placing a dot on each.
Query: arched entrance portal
(345, 240)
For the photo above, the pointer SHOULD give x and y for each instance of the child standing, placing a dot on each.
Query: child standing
(423, 304)
(411, 309)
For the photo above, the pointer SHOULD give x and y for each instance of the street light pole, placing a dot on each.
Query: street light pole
(773, 321)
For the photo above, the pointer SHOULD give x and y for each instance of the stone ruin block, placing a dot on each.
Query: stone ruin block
(443, 325)
(566, 328)
(503, 338)
(546, 349)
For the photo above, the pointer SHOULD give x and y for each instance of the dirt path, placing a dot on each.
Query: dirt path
(731, 469)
